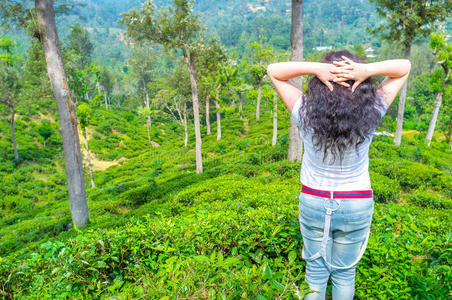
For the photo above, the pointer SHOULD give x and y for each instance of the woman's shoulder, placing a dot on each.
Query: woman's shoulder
(382, 105)
(295, 113)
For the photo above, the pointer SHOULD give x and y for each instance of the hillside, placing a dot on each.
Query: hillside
(159, 229)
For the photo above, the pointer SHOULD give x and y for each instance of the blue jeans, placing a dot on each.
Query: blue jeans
(350, 223)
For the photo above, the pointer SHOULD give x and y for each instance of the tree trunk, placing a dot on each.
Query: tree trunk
(13, 134)
(240, 105)
(107, 104)
(88, 157)
(98, 87)
(438, 100)
(296, 39)
(66, 112)
(105, 95)
(185, 124)
(259, 94)
(208, 112)
(148, 117)
(275, 119)
(217, 106)
(402, 98)
(190, 62)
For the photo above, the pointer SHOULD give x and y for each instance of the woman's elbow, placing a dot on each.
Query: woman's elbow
(408, 65)
(270, 69)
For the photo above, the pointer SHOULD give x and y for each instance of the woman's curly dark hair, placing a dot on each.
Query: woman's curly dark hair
(339, 119)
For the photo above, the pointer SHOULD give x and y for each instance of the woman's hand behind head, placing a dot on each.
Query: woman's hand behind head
(347, 69)
(326, 75)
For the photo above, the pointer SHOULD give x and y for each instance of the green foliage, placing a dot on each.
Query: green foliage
(385, 189)
(408, 20)
(158, 228)
(175, 27)
(155, 220)
(80, 44)
(429, 199)
(45, 130)
(84, 113)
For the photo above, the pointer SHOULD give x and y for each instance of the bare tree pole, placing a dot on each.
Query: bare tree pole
(241, 104)
(438, 100)
(88, 157)
(66, 111)
(296, 39)
(189, 58)
(217, 106)
(402, 98)
(208, 112)
(185, 124)
(259, 96)
(275, 119)
(148, 117)
(13, 135)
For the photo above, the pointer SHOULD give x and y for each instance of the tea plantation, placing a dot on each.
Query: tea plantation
(158, 230)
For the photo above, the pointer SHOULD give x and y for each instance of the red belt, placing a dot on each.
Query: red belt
(337, 194)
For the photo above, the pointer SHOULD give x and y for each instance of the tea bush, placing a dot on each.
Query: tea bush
(384, 189)
(158, 229)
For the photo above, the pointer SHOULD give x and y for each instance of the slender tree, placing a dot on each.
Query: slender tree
(173, 96)
(80, 43)
(296, 39)
(84, 113)
(260, 57)
(176, 28)
(275, 118)
(443, 52)
(142, 63)
(407, 21)
(47, 34)
(226, 78)
(9, 85)
(209, 60)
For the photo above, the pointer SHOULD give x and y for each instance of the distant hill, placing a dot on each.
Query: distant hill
(326, 23)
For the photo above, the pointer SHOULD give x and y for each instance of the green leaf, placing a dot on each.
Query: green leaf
(292, 256)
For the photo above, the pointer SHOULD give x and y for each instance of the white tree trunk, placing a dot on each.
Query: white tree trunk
(98, 87)
(217, 106)
(107, 104)
(295, 149)
(240, 105)
(259, 95)
(66, 112)
(275, 119)
(438, 100)
(190, 62)
(13, 134)
(148, 117)
(185, 125)
(88, 157)
(401, 108)
(208, 112)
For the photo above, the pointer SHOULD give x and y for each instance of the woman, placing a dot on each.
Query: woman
(336, 118)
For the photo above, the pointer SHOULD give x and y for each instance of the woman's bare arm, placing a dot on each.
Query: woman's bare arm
(280, 73)
(395, 70)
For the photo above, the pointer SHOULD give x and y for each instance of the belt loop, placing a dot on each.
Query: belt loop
(331, 192)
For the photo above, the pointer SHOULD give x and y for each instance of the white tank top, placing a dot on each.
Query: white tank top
(352, 175)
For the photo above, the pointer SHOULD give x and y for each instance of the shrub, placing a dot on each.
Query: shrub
(384, 189)
(409, 174)
(421, 197)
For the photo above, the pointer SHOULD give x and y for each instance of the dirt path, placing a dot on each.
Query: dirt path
(98, 165)
(246, 126)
